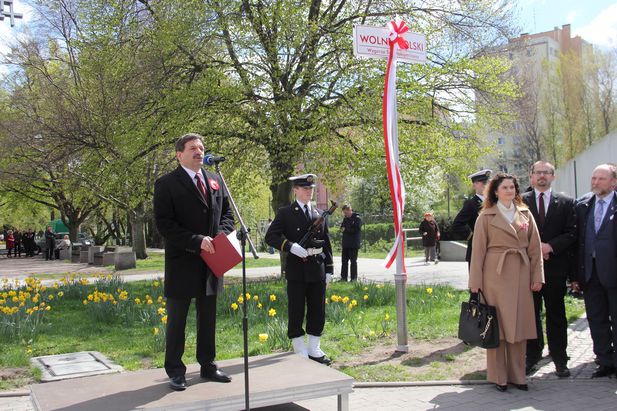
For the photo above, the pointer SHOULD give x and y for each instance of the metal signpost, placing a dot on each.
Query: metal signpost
(393, 43)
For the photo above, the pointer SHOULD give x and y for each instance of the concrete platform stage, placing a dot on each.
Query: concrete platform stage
(274, 379)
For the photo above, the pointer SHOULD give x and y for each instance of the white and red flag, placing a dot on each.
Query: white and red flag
(390, 136)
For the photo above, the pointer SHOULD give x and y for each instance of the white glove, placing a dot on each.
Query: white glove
(328, 278)
(298, 250)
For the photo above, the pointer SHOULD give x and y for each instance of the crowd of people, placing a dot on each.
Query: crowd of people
(18, 242)
(525, 247)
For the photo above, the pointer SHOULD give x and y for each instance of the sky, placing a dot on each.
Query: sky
(594, 20)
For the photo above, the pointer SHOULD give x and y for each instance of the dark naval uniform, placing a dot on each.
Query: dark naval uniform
(309, 268)
(465, 220)
(306, 280)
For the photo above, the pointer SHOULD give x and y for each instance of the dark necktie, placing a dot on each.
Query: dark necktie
(306, 212)
(541, 211)
(201, 186)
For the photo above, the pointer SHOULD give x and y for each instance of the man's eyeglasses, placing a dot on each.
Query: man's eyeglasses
(543, 173)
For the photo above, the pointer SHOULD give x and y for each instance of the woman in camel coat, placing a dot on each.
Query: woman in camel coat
(506, 263)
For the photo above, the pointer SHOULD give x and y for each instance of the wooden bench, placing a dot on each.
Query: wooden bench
(274, 379)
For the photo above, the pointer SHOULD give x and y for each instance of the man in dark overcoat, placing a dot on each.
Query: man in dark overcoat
(190, 209)
(351, 229)
(554, 215)
(596, 216)
(465, 220)
(309, 267)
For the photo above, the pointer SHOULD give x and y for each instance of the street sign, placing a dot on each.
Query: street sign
(372, 42)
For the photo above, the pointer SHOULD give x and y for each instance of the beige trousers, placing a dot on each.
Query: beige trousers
(506, 363)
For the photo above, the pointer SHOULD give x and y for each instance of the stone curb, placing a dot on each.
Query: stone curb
(19, 393)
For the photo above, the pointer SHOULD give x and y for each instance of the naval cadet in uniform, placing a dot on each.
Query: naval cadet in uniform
(309, 267)
(465, 220)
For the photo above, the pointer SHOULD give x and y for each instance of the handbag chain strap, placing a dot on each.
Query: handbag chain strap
(488, 324)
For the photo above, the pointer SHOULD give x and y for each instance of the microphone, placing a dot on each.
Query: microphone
(211, 159)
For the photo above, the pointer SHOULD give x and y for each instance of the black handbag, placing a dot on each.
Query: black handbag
(477, 324)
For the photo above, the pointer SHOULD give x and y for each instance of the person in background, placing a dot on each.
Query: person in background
(506, 264)
(50, 243)
(429, 230)
(10, 243)
(28, 241)
(465, 220)
(351, 227)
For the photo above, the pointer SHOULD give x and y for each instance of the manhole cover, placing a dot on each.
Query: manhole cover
(73, 365)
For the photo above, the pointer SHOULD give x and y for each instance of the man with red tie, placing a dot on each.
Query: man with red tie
(190, 209)
(556, 220)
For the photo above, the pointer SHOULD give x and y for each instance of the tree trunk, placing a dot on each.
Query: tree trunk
(138, 232)
(281, 196)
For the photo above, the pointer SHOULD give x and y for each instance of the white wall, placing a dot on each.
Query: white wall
(581, 166)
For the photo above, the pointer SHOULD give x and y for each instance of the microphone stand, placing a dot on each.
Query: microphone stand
(243, 236)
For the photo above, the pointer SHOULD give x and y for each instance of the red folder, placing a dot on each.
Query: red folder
(226, 255)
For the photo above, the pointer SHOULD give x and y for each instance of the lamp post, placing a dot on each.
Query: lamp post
(9, 12)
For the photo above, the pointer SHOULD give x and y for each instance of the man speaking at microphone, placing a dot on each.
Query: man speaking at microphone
(309, 267)
(190, 209)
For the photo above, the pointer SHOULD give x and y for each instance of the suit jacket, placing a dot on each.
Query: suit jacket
(506, 261)
(288, 227)
(607, 274)
(465, 221)
(559, 230)
(184, 218)
(352, 233)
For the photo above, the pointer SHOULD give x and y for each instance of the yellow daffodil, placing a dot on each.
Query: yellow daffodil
(156, 283)
(272, 297)
(365, 297)
(429, 290)
(263, 337)
(234, 306)
(240, 300)
(137, 301)
(272, 312)
(248, 296)
(255, 298)
(259, 306)
(387, 317)
(345, 300)
(155, 331)
(164, 319)
(161, 311)
(354, 303)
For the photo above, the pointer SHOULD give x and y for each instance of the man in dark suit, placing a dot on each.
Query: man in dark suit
(190, 208)
(351, 227)
(596, 215)
(465, 220)
(556, 221)
(309, 267)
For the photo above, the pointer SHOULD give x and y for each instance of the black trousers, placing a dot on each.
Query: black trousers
(49, 253)
(350, 256)
(601, 307)
(552, 294)
(312, 295)
(177, 311)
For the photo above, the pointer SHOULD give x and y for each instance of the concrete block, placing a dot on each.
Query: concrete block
(92, 250)
(452, 251)
(123, 260)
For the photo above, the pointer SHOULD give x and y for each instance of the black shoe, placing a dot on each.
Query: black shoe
(603, 371)
(562, 371)
(530, 369)
(178, 383)
(214, 374)
(522, 387)
(322, 360)
(501, 388)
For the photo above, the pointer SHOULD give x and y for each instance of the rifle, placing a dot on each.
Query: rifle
(314, 229)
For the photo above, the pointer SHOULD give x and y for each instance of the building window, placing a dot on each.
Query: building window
(501, 141)
(503, 168)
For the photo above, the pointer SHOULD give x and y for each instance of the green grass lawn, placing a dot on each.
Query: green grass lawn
(131, 332)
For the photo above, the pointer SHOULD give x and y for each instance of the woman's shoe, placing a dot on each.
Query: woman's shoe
(522, 387)
(501, 388)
